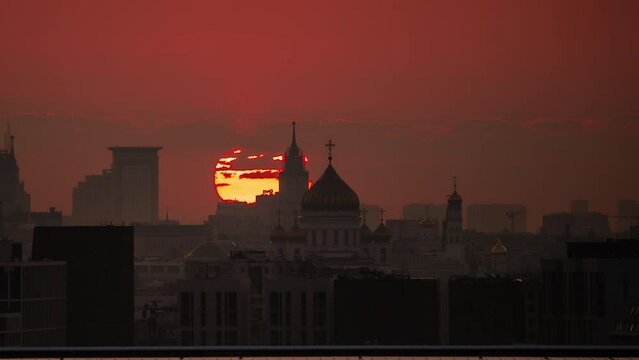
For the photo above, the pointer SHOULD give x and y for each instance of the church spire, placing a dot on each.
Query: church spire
(293, 142)
(293, 150)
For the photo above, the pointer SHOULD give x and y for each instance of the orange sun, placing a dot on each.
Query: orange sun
(241, 177)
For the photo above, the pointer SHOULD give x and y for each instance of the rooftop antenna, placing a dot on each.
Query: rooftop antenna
(455, 183)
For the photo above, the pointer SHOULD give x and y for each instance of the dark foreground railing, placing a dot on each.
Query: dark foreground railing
(323, 351)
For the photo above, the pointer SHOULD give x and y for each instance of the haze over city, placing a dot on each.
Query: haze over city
(531, 103)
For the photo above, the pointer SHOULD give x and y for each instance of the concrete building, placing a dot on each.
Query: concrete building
(93, 200)
(492, 311)
(135, 172)
(127, 193)
(247, 299)
(422, 211)
(169, 241)
(32, 300)
(386, 311)
(585, 294)
(580, 225)
(99, 277)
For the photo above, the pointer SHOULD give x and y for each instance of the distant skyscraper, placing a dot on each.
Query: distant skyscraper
(126, 193)
(496, 218)
(135, 172)
(579, 206)
(293, 182)
(93, 200)
(453, 223)
(15, 200)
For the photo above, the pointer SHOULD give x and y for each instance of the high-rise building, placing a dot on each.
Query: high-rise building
(93, 200)
(127, 193)
(293, 182)
(135, 176)
(16, 201)
(99, 260)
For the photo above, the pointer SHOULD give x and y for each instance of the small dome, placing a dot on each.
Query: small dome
(499, 248)
(208, 250)
(330, 193)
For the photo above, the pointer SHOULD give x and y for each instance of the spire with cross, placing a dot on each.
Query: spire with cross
(330, 145)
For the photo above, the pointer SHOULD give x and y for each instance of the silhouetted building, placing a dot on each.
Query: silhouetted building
(125, 194)
(293, 182)
(169, 240)
(247, 299)
(135, 184)
(452, 225)
(422, 211)
(15, 200)
(579, 206)
(386, 311)
(488, 311)
(52, 217)
(496, 218)
(585, 294)
(93, 200)
(581, 225)
(99, 280)
(33, 305)
(330, 227)
(32, 299)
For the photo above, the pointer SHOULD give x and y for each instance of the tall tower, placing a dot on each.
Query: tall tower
(15, 199)
(452, 225)
(135, 184)
(293, 181)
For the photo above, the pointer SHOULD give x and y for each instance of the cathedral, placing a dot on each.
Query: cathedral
(329, 227)
(15, 201)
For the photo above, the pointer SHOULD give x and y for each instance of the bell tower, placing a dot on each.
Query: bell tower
(293, 181)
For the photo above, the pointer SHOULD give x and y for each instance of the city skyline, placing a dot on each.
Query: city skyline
(443, 184)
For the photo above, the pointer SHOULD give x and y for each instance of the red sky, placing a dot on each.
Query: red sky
(533, 102)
